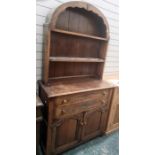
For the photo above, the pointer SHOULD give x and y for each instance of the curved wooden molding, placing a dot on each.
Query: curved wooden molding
(76, 4)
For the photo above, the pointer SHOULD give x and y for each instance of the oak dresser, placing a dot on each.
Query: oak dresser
(76, 99)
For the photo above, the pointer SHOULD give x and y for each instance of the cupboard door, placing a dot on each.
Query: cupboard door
(66, 133)
(94, 123)
(113, 121)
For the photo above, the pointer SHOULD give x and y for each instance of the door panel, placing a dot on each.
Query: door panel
(66, 132)
(116, 116)
(94, 123)
(113, 120)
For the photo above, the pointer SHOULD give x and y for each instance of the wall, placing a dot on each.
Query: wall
(109, 9)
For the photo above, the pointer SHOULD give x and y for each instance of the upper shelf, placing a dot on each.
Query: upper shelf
(79, 34)
(75, 59)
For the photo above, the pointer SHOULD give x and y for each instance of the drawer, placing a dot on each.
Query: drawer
(69, 99)
(74, 104)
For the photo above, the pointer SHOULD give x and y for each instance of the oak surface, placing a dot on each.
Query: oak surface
(76, 40)
(79, 34)
(75, 85)
(113, 120)
(76, 99)
(72, 119)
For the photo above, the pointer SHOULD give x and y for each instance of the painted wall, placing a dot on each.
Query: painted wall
(109, 9)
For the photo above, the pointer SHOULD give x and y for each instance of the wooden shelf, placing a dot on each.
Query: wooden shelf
(80, 35)
(70, 77)
(75, 59)
(75, 47)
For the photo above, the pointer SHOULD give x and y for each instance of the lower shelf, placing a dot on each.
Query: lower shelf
(75, 59)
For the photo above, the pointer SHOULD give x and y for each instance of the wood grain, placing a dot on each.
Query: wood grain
(75, 34)
(76, 100)
(79, 34)
(72, 86)
(113, 120)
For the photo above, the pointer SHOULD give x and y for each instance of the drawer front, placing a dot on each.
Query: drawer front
(70, 99)
(74, 104)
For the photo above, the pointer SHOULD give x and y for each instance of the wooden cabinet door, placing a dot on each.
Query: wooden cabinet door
(66, 133)
(115, 104)
(113, 120)
(94, 123)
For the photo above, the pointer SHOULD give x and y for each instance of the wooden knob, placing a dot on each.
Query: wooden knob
(85, 123)
(64, 101)
(82, 123)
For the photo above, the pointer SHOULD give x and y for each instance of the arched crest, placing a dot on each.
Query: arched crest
(81, 5)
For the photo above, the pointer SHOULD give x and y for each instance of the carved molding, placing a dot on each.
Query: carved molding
(51, 21)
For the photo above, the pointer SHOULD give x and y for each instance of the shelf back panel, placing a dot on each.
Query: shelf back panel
(72, 46)
(62, 69)
(82, 21)
(77, 30)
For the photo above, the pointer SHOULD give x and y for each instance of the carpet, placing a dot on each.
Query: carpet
(105, 145)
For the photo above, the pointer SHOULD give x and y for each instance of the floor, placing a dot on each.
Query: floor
(105, 145)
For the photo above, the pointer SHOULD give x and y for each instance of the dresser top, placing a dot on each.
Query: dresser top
(72, 86)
